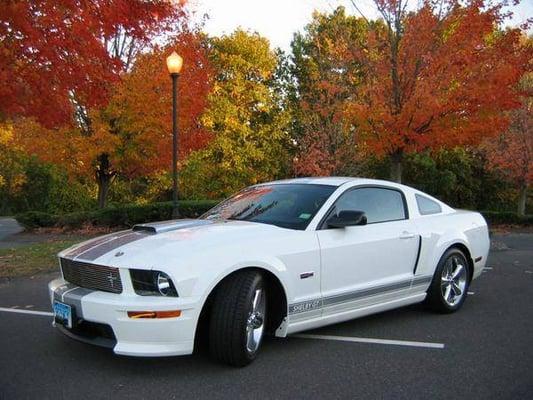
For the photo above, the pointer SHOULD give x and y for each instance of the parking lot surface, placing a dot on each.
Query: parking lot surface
(482, 352)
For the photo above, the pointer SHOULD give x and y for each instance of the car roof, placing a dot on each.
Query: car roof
(338, 181)
(333, 181)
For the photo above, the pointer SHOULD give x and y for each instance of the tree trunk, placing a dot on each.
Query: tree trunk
(522, 200)
(396, 167)
(103, 190)
(104, 177)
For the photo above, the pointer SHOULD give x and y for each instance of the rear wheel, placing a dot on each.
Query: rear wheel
(449, 287)
(238, 319)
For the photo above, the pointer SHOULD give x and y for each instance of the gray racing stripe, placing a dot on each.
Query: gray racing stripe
(346, 297)
(98, 247)
(110, 245)
(61, 290)
(72, 295)
(93, 243)
(419, 280)
(74, 299)
(314, 304)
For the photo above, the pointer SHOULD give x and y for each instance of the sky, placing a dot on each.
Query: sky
(279, 19)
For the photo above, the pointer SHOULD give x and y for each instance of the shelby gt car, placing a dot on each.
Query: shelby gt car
(276, 258)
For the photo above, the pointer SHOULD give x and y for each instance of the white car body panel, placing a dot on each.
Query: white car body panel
(350, 272)
(352, 258)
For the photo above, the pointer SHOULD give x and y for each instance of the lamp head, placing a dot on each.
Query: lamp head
(174, 63)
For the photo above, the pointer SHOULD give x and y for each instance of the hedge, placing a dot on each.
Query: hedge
(115, 216)
(129, 215)
(507, 218)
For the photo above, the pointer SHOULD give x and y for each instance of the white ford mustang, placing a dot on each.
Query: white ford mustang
(276, 258)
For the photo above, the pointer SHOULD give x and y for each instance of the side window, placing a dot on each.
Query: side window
(378, 204)
(427, 206)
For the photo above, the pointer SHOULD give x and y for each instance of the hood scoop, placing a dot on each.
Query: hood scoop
(167, 226)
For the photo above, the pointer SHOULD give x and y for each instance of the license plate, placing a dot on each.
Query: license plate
(63, 314)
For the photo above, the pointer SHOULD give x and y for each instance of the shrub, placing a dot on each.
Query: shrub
(30, 184)
(507, 218)
(131, 214)
(115, 216)
(36, 219)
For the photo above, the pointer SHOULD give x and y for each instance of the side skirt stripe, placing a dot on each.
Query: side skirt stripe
(315, 304)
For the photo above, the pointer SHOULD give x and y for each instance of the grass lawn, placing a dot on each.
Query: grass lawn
(34, 258)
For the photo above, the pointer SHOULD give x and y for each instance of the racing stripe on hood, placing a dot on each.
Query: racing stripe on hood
(95, 249)
(92, 243)
(110, 245)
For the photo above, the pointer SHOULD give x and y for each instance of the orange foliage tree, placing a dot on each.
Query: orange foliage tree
(132, 135)
(437, 77)
(139, 113)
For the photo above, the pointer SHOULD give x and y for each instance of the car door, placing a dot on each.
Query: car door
(367, 264)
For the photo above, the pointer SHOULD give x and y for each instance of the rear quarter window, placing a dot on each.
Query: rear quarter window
(427, 206)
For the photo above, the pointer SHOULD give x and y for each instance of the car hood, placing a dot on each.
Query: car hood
(146, 246)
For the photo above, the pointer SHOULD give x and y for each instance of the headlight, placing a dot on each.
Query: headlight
(152, 283)
(163, 284)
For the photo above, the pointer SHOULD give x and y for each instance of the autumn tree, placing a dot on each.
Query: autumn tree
(244, 116)
(326, 78)
(66, 57)
(59, 55)
(139, 113)
(438, 77)
(134, 130)
(512, 151)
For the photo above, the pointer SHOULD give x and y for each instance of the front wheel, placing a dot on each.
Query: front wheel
(238, 317)
(449, 287)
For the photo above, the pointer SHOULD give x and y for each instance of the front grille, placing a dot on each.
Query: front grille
(91, 276)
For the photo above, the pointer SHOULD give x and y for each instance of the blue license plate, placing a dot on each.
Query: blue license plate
(63, 314)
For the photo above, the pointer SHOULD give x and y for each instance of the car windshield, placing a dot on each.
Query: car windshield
(285, 205)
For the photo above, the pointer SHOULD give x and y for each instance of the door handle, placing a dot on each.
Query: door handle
(407, 235)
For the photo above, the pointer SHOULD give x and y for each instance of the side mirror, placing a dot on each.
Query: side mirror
(347, 218)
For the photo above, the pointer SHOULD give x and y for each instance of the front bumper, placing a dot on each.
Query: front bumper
(134, 337)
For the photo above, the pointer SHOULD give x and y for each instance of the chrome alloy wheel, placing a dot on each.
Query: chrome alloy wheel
(453, 281)
(255, 322)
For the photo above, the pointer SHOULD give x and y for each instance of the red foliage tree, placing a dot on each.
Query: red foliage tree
(57, 55)
(512, 152)
(437, 77)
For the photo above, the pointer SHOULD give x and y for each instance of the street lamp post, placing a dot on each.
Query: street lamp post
(174, 64)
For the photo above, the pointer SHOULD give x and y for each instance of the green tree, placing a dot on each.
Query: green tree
(245, 116)
(12, 176)
(326, 75)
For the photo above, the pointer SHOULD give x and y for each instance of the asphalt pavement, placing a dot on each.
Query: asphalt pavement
(486, 351)
(9, 226)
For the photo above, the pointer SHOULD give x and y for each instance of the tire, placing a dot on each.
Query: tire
(236, 326)
(449, 287)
